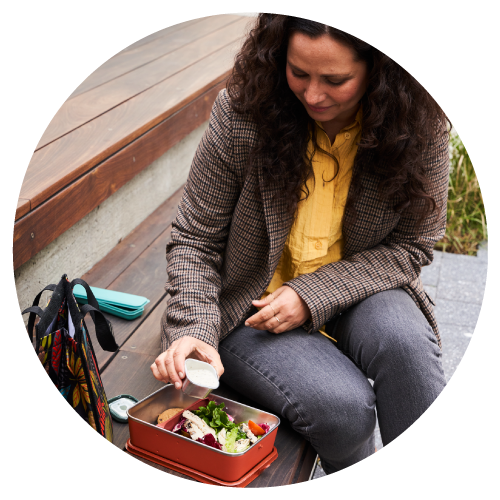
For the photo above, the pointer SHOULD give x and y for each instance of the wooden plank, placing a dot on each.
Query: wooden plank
(61, 162)
(51, 219)
(96, 77)
(305, 464)
(146, 338)
(23, 207)
(85, 107)
(160, 33)
(123, 254)
(129, 373)
(133, 57)
(146, 276)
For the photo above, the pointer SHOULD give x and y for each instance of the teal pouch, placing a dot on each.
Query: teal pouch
(123, 305)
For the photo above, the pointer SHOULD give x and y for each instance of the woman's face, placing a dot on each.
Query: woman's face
(325, 77)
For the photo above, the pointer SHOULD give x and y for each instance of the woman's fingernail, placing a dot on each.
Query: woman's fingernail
(177, 385)
(247, 323)
(181, 375)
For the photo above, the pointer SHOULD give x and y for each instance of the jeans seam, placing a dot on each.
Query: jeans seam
(274, 385)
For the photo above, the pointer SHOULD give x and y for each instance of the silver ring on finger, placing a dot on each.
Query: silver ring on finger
(277, 319)
(272, 309)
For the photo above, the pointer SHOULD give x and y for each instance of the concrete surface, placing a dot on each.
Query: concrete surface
(456, 283)
(90, 239)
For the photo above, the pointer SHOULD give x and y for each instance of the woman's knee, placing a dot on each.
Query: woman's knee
(338, 420)
(387, 325)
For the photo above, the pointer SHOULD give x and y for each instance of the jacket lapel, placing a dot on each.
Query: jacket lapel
(278, 221)
(352, 233)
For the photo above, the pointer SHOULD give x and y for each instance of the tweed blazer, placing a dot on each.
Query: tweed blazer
(226, 243)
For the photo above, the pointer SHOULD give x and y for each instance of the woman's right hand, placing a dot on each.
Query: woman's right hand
(169, 365)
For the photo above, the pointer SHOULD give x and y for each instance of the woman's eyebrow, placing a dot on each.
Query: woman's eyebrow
(332, 75)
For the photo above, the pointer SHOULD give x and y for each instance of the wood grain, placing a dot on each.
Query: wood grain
(23, 207)
(52, 218)
(160, 33)
(137, 55)
(98, 76)
(146, 338)
(123, 254)
(81, 109)
(146, 276)
(128, 373)
(55, 166)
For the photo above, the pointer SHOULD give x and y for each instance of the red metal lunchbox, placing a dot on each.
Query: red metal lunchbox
(185, 455)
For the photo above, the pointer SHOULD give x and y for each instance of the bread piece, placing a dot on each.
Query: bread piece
(168, 414)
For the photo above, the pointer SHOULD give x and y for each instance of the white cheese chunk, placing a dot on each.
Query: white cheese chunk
(244, 427)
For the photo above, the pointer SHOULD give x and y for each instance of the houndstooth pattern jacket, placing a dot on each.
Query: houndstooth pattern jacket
(226, 243)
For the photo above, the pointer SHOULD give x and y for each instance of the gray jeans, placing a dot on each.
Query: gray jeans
(321, 387)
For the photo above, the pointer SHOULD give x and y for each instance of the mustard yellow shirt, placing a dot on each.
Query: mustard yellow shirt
(315, 238)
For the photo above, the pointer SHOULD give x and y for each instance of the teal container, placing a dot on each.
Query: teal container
(123, 305)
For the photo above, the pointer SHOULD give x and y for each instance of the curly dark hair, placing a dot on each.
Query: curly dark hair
(399, 116)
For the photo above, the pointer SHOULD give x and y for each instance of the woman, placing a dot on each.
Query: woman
(314, 199)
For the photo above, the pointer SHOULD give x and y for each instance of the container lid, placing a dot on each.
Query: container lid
(201, 476)
(112, 297)
(122, 312)
(119, 405)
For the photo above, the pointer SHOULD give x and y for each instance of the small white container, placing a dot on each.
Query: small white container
(189, 387)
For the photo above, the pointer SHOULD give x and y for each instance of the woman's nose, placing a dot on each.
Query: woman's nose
(314, 94)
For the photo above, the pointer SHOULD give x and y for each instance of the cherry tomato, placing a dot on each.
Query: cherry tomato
(257, 430)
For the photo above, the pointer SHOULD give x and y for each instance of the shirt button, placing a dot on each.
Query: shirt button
(347, 135)
(318, 245)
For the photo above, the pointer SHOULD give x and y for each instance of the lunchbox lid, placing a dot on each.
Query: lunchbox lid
(119, 299)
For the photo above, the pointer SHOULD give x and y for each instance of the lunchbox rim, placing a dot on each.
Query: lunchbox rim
(227, 453)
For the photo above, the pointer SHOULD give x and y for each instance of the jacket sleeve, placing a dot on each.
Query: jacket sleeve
(199, 234)
(393, 263)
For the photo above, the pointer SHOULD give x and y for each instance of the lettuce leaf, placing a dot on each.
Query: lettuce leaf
(231, 438)
(215, 416)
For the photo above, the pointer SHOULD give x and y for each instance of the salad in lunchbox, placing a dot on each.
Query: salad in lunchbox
(212, 426)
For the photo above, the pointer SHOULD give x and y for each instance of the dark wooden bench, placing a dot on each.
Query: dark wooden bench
(137, 265)
(127, 114)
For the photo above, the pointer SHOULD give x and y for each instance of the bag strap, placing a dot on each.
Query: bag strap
(103, 328)
(35, 310)
(52, 309)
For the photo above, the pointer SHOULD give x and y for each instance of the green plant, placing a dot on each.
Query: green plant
(466, 219)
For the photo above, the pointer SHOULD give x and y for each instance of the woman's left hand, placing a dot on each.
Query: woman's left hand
(281, 311)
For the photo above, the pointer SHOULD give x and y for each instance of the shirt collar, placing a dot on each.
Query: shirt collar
(356, 123)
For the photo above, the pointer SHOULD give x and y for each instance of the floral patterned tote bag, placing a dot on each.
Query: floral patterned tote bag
(64, 347)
